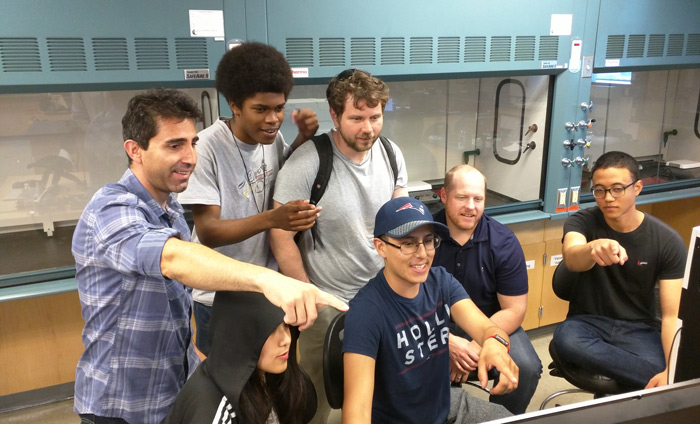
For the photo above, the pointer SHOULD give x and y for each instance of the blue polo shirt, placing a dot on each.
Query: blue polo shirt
(491, 262)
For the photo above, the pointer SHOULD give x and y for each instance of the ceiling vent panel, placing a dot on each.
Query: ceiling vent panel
(549, 47)
(300, 52)
(421, 50)
(110, 54)
(635, 45)
(475, 49)
(615, 47)
(393, 51)
(19, 55)
(675, 45)
(152, 54)
(66, 54)
(693, 47)
(191, 53)
(524, 48)
(657, 44)
(448, 50)
(362, 52)
(331, 51)
(500, 49)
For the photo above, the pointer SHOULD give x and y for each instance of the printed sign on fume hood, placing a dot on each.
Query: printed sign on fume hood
(207, 23)
(560, 24)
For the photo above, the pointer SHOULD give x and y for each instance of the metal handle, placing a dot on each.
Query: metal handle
(581, 161)
(583, 142)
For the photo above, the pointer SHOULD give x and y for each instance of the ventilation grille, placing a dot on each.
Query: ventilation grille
(475, 49)
(657, 43)
(386, 51)
(500, 49)
(110, 54)
(393, 51)
(448, 50)
(549, 47)
(616, 47)
(362, 52)
(102, 54)
(524, 48)
(693, 47)
(66, 54)
(652, 45)
(19, 55)
(331, 52)
(300, 51)
(421, 50)
(635, 47)
(152, 54)
(191, 53)
(675, 45)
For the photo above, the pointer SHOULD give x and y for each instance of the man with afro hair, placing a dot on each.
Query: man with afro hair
(230, 191)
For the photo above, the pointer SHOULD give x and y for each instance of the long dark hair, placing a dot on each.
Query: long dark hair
(287, 392)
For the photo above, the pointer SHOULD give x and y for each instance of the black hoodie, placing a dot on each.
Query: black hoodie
(241, 323)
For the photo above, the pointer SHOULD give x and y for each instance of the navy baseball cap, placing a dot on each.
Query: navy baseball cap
(400, 216)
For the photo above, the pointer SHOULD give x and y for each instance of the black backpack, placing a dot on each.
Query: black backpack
(325, 157)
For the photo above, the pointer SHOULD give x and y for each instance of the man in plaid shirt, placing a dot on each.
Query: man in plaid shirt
(134, 261)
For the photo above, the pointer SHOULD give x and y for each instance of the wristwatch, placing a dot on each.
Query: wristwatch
(501, 340)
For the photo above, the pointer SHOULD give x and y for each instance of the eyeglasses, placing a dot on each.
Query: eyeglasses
(600, 193)
(430, 243)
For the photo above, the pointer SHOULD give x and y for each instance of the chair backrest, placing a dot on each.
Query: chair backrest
(311, 402)
(563, 281)
(333, 362)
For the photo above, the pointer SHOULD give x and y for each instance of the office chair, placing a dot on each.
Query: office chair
(563, 283)
(311, 402)
(333, 362)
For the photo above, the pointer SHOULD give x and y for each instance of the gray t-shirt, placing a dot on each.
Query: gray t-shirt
(343, 258)
(234, 180)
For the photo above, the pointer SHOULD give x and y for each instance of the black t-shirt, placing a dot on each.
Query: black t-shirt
(656, 252)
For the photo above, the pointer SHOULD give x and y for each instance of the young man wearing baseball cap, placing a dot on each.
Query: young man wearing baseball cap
(396, 349)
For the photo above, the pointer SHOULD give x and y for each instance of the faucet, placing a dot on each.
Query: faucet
(667, 133)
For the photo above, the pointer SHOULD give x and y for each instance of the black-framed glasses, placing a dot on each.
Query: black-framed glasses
(430, 243)
(619, 191)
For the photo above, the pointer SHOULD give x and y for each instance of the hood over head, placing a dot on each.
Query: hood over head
(240, 324)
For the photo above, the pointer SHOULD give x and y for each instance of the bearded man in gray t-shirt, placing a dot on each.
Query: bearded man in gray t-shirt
(339, 257)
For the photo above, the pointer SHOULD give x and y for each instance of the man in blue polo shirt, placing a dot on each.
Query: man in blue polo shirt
(486, 257)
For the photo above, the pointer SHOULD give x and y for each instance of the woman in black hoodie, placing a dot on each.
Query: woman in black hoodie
(245, 379)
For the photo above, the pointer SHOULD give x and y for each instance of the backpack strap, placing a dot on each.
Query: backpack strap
(325, 166)
(392, 157)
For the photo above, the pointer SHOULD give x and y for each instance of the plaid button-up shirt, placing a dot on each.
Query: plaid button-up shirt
(137, 334)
